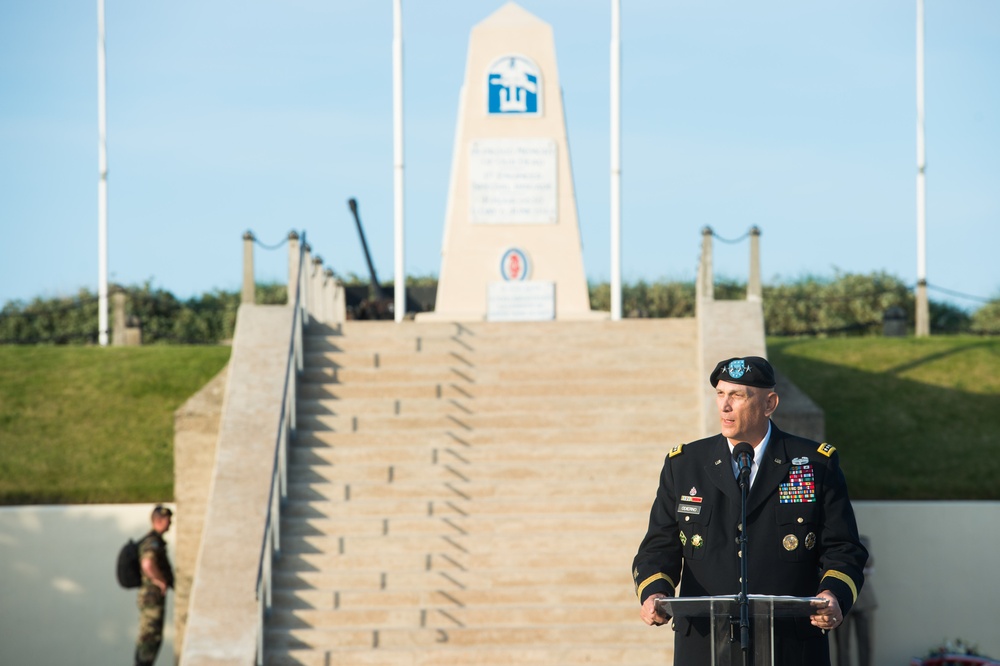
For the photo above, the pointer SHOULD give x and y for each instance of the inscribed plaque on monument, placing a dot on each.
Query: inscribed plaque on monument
(513, 181)
(521, 301)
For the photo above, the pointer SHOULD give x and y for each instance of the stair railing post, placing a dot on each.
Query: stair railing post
(705, 289)
(316, 288)
(339, 302)
(294, 270)
(304, 294)
(329, 293)
(249, 294)
(118, 319)
(755, 290)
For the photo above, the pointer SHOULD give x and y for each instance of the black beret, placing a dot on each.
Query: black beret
(748, 371)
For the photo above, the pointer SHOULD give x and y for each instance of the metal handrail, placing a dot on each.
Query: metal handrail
(271, 542)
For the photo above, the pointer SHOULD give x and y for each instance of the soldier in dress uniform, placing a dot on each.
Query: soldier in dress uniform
(157, 577)
(802, 537)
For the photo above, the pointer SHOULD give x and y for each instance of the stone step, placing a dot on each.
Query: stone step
(495, 598)
(578, 633)
(654, 384)
(470, 492)
(564, 354)
(326, 385)
(534, 331)
(516, 524)
(471, 470)
(510, 437)
(467, 377)
(347, 453)
(389, 407)
(450, 507)
(460, 563)
(401, 580)
(463, 421)
(474, 549)
(399, 616)
(526, 334)
(658, 650)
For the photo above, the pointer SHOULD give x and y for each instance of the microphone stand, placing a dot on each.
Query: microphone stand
(744, 597)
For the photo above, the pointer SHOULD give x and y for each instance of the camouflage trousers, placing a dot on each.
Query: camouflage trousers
(152, 603)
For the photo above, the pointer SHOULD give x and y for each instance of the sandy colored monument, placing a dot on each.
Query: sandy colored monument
(511, 248)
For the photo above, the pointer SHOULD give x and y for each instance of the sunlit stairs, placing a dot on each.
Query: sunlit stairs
(474, 493)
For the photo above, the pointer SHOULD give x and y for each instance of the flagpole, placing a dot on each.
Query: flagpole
(102, 182)
(399, 287)
(923, 309)
(616, 162)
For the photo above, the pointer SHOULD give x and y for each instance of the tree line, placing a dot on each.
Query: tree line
(845, 304)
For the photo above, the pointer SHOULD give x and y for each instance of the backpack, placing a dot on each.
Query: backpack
(129, 575)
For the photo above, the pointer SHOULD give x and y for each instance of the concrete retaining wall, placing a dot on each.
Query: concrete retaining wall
(59, 600)
(935, 575)
(59, 603)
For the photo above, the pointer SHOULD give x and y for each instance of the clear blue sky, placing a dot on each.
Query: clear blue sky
(223, 116)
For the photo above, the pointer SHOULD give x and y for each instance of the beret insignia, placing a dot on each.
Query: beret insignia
(749, 371)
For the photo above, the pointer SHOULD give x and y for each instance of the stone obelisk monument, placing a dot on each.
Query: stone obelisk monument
(511, 248)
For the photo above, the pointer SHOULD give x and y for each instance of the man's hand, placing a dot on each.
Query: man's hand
(649, 614)
(829, 617)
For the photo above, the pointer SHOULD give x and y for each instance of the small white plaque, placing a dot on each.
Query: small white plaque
(521, 301)
(513, 181)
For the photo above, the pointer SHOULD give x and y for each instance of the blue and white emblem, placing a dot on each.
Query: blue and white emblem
(514, 86)
(736, 369)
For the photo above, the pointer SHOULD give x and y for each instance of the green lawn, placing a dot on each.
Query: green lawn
(93, 425)
(912, 418)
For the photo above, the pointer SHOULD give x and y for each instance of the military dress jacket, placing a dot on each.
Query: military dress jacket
(802, 537)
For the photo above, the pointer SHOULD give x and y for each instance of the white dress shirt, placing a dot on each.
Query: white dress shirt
(758, 454)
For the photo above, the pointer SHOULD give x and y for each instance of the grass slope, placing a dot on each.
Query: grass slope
(912, 418)
(91, 424)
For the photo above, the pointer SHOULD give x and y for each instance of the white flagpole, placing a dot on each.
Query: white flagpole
(102, 183)
(397, 117)
(616, 162)
(923, 310)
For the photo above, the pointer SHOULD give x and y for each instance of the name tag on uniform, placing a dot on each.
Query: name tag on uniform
(689, 508)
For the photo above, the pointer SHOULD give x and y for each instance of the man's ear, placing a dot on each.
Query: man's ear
(772, 403)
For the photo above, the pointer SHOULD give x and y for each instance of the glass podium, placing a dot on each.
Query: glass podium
(724, 612)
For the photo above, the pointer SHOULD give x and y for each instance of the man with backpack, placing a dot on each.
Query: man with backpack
(157, 577)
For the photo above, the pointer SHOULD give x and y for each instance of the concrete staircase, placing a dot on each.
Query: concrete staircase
(474, 493)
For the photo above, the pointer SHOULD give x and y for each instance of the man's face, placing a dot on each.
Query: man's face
(161, 524)
(744, 411)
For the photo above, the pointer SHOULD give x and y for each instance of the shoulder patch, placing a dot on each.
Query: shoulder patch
(676, 451)
(826, 449)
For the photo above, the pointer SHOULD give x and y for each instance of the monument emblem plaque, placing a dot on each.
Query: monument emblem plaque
(511, 194)
(514, 265)
(513, 86)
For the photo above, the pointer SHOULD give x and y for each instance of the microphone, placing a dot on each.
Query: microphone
(743, 455)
